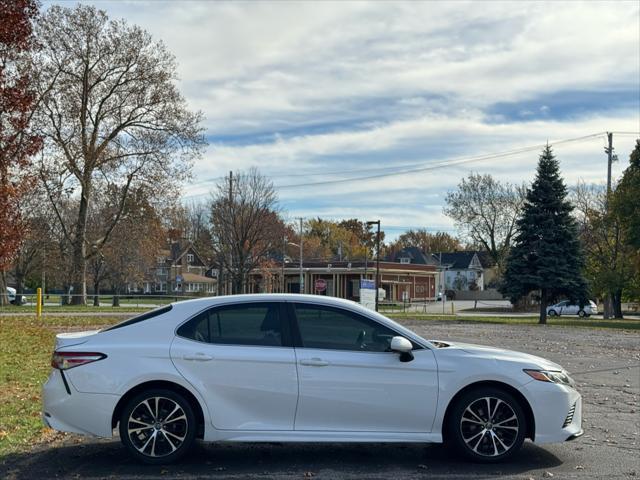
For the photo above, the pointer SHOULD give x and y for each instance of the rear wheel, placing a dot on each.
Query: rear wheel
(582, 314)
(158, 426)
(552, 313)
(487, 425)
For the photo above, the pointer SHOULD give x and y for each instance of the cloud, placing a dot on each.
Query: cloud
(350, 87)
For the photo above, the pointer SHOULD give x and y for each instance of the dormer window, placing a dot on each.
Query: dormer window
(190, 257)
(405, 260)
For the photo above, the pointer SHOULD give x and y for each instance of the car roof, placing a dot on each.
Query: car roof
(265, 297)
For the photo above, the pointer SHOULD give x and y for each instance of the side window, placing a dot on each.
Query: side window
(244, 324)
(336, 329)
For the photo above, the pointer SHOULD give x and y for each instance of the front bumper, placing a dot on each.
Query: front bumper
(557, 410)
(76, 412)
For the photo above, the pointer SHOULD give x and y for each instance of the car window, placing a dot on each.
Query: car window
(243, 324)
(563, 303)
(140, 318)
(336, 329)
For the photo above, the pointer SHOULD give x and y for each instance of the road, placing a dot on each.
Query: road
(605, 363)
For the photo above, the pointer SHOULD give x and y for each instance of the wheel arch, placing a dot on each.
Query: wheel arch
(524, 403)
(190, 397)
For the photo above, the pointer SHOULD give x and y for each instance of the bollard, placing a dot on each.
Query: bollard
(452, 312)
(38, 303)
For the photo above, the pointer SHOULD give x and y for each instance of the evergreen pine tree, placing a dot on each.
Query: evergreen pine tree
(546, 254)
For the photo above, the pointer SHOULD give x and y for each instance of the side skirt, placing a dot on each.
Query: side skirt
(212, 435)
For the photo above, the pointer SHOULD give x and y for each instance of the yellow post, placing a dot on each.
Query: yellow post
(39, 303)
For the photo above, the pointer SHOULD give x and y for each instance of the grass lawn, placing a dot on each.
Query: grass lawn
(25, 352)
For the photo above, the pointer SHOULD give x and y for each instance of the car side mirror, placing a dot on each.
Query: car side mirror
(402, 346)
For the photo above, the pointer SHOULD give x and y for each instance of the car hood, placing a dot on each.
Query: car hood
(497, 354)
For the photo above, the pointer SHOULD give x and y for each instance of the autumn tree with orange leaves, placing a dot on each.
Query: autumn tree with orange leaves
(17, 142)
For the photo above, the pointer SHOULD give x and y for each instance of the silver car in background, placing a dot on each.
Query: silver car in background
(566, 307)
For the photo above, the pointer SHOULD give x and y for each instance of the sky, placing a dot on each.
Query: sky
(312, 92)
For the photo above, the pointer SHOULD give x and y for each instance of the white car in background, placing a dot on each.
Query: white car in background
(567, 307)
(11, 294)
(299, 368)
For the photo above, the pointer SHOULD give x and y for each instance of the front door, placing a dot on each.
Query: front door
(241, 360)
(350, 382)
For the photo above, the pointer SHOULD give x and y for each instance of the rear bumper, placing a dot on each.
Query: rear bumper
(75, 412)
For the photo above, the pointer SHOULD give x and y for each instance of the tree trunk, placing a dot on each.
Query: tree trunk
(116, 298)
(617, 304)
(79, 253)
(96, 293)
(606, 311)
(543, 307)
(19, 286)
(4, 299)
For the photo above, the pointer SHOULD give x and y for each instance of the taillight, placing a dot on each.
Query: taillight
(67, 360)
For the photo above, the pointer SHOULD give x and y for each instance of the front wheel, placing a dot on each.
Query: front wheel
(552, 313)
(487, 425)
(158, 426)
(582, 314)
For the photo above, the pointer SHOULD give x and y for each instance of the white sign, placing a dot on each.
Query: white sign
(368, 294)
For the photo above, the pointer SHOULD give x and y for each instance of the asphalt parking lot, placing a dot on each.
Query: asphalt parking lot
(605, 364)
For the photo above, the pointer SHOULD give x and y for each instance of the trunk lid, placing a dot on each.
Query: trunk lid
(64, 340)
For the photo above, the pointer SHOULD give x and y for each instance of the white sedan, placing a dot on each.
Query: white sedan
(572, 308)
(299, 368)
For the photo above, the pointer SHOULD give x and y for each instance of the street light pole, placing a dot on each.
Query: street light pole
(284, 255)
(301, 274)
(377, 222)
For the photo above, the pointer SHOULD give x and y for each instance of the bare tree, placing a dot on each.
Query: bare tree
(486, 211)
(135, 245)
(245, 226)
(109, 111)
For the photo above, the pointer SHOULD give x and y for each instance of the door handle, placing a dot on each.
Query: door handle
(314, 362)
(198, 357)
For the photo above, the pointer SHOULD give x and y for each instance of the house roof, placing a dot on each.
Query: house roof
(462, 260)
(415, 255)
(189, 277)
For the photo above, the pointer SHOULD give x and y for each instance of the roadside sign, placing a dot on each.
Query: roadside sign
(321, 285)
(368, 294)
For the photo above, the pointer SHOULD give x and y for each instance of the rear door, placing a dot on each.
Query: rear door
(240, 358)
(350, 381)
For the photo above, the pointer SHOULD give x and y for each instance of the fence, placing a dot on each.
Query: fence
(53, 301)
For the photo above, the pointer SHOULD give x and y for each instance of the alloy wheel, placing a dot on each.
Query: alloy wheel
(489, 427)
(157, 426)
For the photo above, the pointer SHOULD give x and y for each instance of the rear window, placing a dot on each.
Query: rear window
(243, 324)
(140, 318)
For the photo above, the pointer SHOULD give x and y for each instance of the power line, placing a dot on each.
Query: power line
(411, 166)
(444, 164)
(420, 167)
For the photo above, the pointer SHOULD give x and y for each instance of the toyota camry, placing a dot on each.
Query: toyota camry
(299, 368)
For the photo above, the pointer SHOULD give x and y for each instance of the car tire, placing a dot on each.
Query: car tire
(158, 426)
(486, 425)
(582, 314)
(552, 313)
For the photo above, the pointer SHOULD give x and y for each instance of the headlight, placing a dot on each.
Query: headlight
(551, 376)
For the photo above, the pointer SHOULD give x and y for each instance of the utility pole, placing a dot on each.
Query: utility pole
(606, 314)
(301, 274)
(610, 158)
